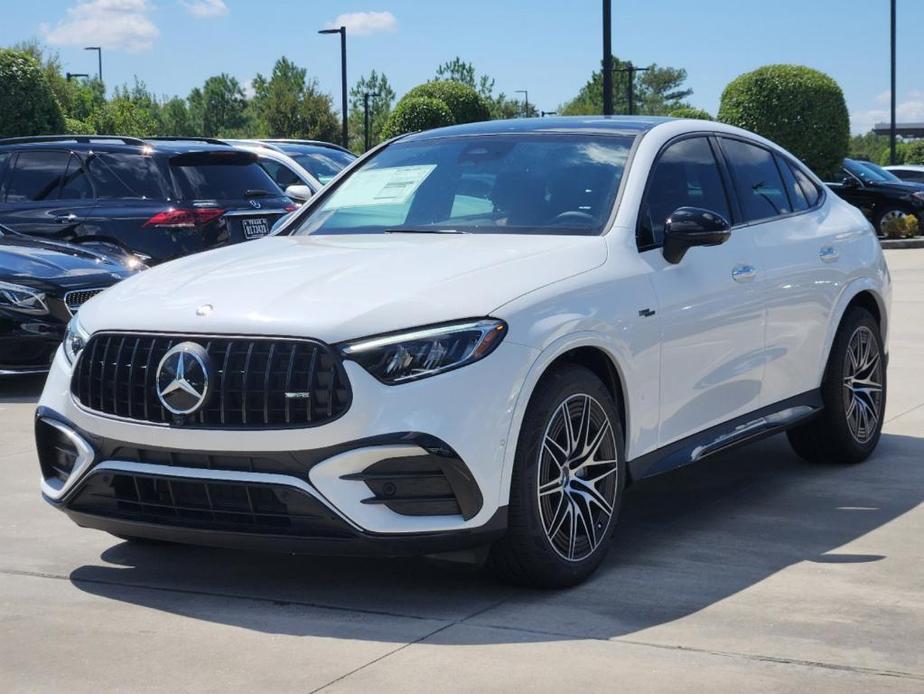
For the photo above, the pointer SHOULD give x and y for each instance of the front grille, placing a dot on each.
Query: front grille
(74, 300)
(213, 505)
(256, 382)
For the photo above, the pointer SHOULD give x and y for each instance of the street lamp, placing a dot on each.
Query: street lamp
(71, 75)
(343, 78)
(543, 114)
(99, 56)
(630, 87)
(366, 97)
(892, 123)
(607, 58)
(525, 94)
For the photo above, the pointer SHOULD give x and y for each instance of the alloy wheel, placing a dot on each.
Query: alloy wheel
(863, 385)
(888, 217)
(578, 480)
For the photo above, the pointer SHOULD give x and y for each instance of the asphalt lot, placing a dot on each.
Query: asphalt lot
(751, 572)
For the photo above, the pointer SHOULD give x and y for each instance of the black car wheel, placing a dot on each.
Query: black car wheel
(567, 484)
(885, 216)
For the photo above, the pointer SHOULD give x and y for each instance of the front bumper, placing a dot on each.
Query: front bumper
(335, 488)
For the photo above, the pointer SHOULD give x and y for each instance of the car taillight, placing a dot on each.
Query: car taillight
(184, 219)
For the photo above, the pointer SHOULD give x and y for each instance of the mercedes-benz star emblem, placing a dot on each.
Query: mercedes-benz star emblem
(254, 204)
(183, 378)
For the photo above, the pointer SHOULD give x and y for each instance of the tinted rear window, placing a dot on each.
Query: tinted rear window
(36, 176)
(119, 175)
(220, 176)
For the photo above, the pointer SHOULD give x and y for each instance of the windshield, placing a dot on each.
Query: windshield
(868, 172)
(323, 163)
(502, 184)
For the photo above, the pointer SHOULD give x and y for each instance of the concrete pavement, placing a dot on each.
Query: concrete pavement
(750, 572)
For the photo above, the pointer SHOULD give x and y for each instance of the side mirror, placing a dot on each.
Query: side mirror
(850, 182)
(692, 226)
(298, 193)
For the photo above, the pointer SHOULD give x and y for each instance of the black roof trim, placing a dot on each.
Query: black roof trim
(83, 139)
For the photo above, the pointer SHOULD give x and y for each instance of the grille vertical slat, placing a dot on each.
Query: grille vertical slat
(117, 375)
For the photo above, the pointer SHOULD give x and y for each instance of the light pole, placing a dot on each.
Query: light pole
(607, 59)
(343, 79)
(525, 94)
(892, 123)
(366, 97)
(71, 75)
(99, 56)
(630, 69)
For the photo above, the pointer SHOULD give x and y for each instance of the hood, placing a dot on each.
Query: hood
(38, 263)
(338, 287)
(905, 187)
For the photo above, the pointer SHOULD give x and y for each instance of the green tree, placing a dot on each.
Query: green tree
(28, 105)
(417, 113)
(797, 107)
(868, 147)
(657, 91)
(500, 106)
(905, 153)
(122, 116)
(379, 109)
(288, 104)
(218, 108)
(174, 119)
(465, 104)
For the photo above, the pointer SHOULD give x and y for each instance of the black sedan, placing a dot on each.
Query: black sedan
(42, 284)
(880, 195)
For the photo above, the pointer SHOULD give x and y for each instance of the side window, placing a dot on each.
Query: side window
(685, 175)
(796, 194)
(282, 175)
(120, 175)
(809, 188)
(76, 184)
(36, 176)
(757, 180)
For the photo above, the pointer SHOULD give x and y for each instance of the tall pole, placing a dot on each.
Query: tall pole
(892, 123)
(343, 79)
(366, 96)
(525, 94)
(630, 88)
(607, 59)
(99, 58)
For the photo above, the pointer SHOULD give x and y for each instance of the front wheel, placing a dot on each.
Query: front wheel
(885, 217)
(854, 395)
(567, 484)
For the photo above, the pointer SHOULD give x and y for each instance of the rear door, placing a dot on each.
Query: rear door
(231, 181)
(711, 317)
(46, 193)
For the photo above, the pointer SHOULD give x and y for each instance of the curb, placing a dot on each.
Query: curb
(902, 243)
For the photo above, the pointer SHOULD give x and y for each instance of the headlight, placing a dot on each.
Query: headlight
(918, 195)
(415, 354)
(75, 339)
(15, 297)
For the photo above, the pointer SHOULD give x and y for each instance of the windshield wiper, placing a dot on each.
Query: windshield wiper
(258, 193)
(422, 230)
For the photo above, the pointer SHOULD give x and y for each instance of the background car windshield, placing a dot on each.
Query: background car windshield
(533, 184)
(323, 165)
(883, 173)
(865, 172)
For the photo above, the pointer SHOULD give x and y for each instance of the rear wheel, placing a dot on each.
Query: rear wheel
(884, 217)
(854, 395)
(567, 483)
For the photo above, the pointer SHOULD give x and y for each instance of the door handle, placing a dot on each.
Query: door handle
(744, 273)
(828, 254)
(65, 218)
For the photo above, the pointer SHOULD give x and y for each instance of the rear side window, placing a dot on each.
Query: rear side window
(796, 194)
(220, 176)
(76, 185)
(121, 175)
(36, 176)
(756, 179)
(808, 186)
(685, 175)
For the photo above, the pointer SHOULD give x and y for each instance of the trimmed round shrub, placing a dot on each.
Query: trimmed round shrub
(465, 104)
(417, 113)
(27, 104)
(690, 112)
(797, 107)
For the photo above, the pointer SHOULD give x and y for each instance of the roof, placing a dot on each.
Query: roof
(600, 125)
(902, 129)
(116, 143)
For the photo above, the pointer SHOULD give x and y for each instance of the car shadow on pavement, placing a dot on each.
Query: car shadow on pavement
(686, 540)
(25, 388)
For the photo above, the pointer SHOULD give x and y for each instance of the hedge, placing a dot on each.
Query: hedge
(690, 112)
(465, 104)
(417, 113)
(797, 107)
(27, 104)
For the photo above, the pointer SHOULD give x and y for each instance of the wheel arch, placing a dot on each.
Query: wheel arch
(863, 293)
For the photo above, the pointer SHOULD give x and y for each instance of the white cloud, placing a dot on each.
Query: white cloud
(911, 110)
(365, 23)
(118, 24)
(205, 8)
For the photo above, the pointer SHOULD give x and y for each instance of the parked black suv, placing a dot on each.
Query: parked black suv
(879, 195)
(159, 198)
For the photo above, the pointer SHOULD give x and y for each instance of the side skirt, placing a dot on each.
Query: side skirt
(722, 437)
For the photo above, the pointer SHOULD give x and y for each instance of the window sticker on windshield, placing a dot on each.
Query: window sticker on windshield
(393, 186)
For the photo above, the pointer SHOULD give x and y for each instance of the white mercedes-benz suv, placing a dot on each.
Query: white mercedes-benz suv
(477, 336)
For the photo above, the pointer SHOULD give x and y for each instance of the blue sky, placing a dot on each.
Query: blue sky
(548, 47)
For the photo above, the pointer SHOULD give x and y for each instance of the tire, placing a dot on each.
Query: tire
(848, 428)
(883, 215)
(560, 522)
